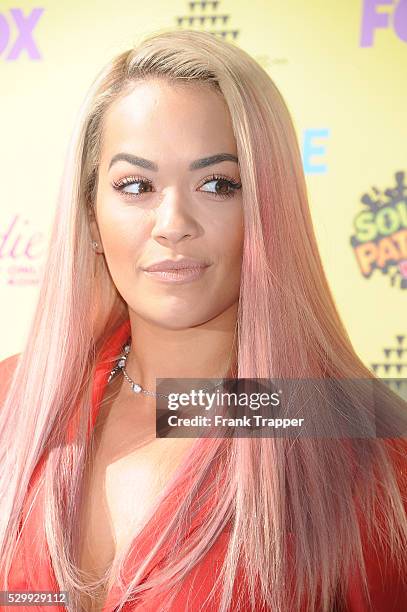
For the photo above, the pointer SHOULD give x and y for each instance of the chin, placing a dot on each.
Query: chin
(182, 319)
(178, 322)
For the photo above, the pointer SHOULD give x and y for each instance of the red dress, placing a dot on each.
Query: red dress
(32, 568)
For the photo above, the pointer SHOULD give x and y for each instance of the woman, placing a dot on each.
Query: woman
(186, 149)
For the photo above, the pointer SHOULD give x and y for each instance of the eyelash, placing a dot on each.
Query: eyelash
(131, 180)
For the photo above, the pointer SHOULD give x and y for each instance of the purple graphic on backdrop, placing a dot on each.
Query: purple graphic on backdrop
(376, 15)
(22, 40)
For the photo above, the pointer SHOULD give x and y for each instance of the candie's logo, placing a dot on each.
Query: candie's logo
(380, 233)
(21, 253)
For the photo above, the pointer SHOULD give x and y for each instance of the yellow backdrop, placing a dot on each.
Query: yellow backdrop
(341, 67)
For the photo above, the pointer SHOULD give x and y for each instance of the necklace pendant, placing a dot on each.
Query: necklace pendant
(136, 388)
(113, 374)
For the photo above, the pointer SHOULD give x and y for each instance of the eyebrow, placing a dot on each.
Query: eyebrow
(195, 165)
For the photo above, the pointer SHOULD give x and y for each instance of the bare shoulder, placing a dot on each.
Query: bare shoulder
(7, 367)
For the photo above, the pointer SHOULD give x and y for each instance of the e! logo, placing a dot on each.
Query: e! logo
(371, 19)
(24, 40)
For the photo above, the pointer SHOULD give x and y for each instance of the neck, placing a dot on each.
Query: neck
(203, 351)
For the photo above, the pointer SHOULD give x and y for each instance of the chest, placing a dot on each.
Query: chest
(117, 501)
(121, 487)
(118, 497)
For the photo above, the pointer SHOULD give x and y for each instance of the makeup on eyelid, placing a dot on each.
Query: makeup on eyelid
(120, 184)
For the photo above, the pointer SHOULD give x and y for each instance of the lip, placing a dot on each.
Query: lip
(177, 276)
(183, 263)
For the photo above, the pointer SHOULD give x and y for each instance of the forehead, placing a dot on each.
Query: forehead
(169, 116)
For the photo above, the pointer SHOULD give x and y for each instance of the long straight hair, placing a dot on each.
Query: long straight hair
(287, 327)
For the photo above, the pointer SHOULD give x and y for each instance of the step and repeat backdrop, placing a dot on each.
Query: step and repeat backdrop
(342, 69)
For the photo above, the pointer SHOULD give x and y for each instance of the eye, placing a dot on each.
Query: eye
(132, 187)
(228, 186)
(131, 182)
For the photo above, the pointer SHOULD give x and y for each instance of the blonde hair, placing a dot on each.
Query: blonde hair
(288, 327)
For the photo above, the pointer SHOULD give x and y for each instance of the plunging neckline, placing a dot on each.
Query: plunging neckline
(144, 540)
(32, 565)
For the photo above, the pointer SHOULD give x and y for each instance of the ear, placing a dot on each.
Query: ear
(94, 229)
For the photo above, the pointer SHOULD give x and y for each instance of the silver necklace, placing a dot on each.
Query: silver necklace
(137, 388)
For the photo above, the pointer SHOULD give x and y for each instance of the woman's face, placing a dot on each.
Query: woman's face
(157, 199)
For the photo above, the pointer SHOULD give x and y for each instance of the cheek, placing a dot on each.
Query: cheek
(225, 231)
(122, 237)
(232, 240)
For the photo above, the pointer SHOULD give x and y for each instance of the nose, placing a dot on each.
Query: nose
(174, 220)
